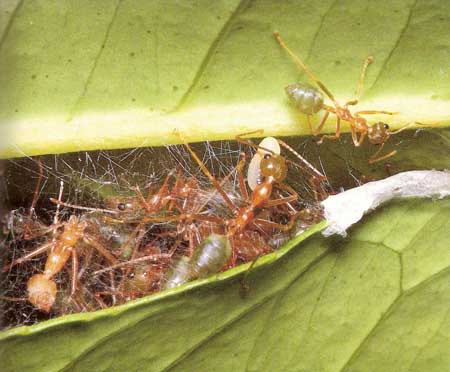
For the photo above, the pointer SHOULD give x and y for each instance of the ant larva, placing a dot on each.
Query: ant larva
(271, 146)
(309, 101)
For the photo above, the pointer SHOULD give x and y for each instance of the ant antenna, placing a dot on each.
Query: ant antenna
(58, 203)
(206, 171)
(308, 166)
(37, 189)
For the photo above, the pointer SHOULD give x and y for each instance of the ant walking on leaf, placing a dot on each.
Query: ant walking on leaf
(309, 101)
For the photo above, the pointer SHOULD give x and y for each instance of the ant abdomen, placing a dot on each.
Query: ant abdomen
(305, 97)
(211, 255)
(208, 258)
(178, 275)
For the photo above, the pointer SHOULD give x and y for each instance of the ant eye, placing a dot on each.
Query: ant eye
(121, 206)
(267, 156)
(386, 126)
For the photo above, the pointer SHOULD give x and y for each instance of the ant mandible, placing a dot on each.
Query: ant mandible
(310, 101)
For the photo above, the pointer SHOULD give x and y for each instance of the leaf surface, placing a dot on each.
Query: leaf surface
(375, 301)
(127, 73)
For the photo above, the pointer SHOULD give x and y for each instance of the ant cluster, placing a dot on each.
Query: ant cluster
(91, 257)
(86, 258)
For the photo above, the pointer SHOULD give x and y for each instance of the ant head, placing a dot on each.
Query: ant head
(379, 133)
(121, 205)
(273, 165)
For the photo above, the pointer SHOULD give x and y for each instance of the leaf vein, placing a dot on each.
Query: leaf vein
(244, 313)
(10, 22)
(72, 112)
(319, 29)
(210, 53)
(397, 43)
(421, 350)
(270, 314)
(370, 333)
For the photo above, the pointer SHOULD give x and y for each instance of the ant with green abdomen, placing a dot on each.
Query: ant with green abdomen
(310, 100)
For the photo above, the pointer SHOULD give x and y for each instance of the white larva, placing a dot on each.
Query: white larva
(254, 177)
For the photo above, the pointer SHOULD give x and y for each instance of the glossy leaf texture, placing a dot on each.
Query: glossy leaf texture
(375, 301)
(92, 74)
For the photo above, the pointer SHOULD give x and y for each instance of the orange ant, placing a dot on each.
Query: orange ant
(309, 101)
(274, 170)
(42, 287)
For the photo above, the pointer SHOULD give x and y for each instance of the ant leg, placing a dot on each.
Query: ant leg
(402, 129)
(74, 206)
(101, 249)
(248, 142)
(311, 130)
(75, 267)
(321, 124)
(36, 252)
(159, 200)
(332, 136)
(278, 226)
(208, 173)
(392, 153)
(354, 136)
(239, 170)
(366, 64)
(361, 139)
(99, 300)
(304, 67)
(187, 216)
(285, 200)
(152, 257)
(374, 158)
(141, 198)
(36, 190)
(357, 142)
(374, 112)
(244, 287)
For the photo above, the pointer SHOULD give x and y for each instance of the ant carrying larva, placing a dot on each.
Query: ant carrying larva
(183, 229)
(309, 100)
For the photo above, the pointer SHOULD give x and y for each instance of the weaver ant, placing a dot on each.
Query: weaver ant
(309, 100)
(273, 168)
(63, 245)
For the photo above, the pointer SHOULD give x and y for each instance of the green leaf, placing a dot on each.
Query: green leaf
(92, 74)
(124, 73)
(377, 301)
